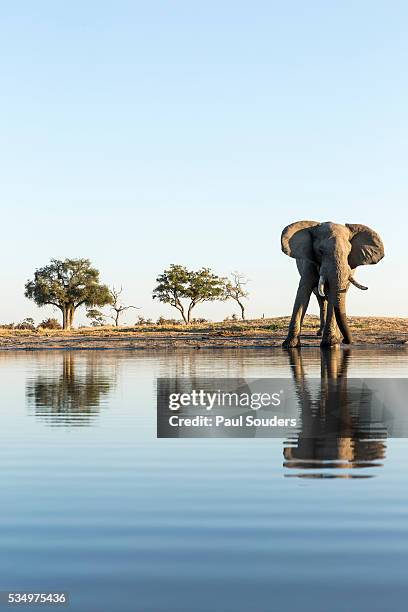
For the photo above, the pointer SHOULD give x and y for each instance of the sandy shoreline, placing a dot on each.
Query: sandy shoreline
(180, 341)
(260, 333)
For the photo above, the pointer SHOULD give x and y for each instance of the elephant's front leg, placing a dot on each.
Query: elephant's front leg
(331, 331)
(299, 310)
(323, 313)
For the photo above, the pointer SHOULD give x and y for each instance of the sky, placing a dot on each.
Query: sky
(140, 134)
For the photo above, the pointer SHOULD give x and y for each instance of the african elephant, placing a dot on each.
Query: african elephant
(327, 255)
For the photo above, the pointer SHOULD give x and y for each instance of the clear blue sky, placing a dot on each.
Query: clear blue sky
(141, 134)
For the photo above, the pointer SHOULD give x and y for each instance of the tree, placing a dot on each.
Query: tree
(234, 289)
(96, 317)
(67, 285)
(177, 283)
(116, 305)
(172, 287)
(204, 286)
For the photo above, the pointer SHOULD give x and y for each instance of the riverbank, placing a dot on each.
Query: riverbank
(228, 334)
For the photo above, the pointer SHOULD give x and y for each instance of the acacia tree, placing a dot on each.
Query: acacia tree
(204, 286)
(67, 285)
(96, 317)
(117, 306)
(172, 287)
(234, 289)
(177, 283)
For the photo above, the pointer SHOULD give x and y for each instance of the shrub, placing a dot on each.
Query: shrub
(27, 323)
(163, 321)
(233, 317)
(142, 321)
(50, 323)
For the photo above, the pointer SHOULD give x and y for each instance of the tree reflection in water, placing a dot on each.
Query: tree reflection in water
(336, 426)
(73, 395)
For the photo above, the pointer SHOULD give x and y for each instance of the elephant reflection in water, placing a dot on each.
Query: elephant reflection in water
(336, 431)
(73, 396)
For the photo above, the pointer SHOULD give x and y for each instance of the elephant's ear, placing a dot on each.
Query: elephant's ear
(366, 246)
(297, 240)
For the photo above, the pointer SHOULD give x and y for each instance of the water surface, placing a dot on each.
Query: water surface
(94, 504)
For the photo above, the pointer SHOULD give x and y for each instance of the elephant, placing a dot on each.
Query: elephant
(327, 255)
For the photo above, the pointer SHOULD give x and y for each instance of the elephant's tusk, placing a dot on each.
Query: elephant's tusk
(320, 287)
(356, 284)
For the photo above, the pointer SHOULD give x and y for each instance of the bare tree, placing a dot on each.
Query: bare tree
(117, 307)
(234, 289)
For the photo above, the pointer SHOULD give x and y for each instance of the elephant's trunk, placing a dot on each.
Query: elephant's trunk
(339, 307)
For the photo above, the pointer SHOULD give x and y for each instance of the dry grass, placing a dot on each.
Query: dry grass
(254, 333)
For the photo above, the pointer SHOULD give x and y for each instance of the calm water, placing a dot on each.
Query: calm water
(92, 503)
